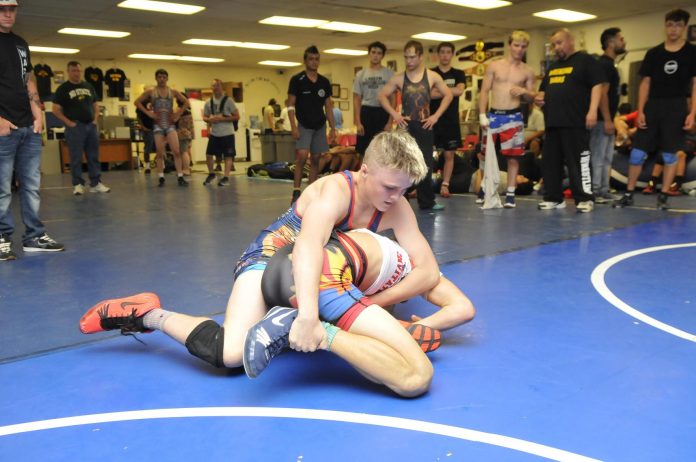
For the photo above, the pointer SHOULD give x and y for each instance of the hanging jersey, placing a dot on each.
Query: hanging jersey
(43, 74)
(95, 76)
(115, 82)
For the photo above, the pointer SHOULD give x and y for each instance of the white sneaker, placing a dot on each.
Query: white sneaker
(584, 206)
(550, 205)
(99, 188)
(78, 190)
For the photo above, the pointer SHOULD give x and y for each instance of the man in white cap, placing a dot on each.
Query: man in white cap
(21, 123)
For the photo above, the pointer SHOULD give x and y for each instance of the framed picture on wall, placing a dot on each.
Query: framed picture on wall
(691, 35)
(343, 105)
(392, 65)
(335, 90)
(344, 93)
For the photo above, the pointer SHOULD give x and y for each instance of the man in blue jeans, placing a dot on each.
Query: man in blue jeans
(21, 123)
(75, 104)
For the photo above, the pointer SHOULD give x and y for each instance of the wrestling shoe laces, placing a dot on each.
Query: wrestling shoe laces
(129, 325)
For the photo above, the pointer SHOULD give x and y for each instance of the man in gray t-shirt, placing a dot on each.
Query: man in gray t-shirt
(220, 113)
(368, 115)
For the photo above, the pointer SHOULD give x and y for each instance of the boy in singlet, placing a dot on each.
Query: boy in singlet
(416, 85)
(164, 121)
(370, 198)
(509, 80)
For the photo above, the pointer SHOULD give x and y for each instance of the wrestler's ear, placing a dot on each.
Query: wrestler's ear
(363, 168)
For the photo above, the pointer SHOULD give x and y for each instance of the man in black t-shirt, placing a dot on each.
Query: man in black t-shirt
(448, 135)
(602, 135)
(75, 104)
(668, 76)
(570, 95)
(309, 106)
(21, 124)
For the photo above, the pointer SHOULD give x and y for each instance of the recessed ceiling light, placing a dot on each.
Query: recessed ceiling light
(66, 51)
(564, 15)
(161, 7)
(349, 27)
(212, 43)
(478, 4)
(262, 46)
(93, 32)
(344, 51)
(294, 22)
(279, 63)
(438, 37)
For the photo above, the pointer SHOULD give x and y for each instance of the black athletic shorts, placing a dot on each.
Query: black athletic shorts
(221, 146)
(448, 136)
(665, 119)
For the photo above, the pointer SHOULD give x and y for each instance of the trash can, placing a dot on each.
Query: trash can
(284, 147)
(268, 148)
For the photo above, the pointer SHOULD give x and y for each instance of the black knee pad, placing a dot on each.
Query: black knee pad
(207, 342)
(277, 283)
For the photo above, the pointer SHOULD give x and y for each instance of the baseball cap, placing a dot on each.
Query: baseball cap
(8, 3)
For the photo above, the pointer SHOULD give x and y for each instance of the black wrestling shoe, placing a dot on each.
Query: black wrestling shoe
(209, 179)
(267, 339)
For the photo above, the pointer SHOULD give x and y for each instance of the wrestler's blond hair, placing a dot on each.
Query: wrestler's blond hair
(518, 35)
(397, 150)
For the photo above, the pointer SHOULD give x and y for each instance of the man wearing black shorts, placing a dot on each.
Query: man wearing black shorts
(667, 72)
(220, 112)
(311, 93)
(368, 115)
(448, 135)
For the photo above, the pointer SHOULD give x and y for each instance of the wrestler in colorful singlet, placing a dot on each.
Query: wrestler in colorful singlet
(347, 276)
(285, 230)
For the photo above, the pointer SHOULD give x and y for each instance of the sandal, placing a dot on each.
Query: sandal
(444, 190)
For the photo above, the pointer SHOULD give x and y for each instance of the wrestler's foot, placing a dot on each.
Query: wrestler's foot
(426, 337)
(444, 190)
(125, 314)
(267, 339)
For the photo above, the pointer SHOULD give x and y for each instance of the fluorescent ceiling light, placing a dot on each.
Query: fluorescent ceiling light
(344, 51)
(212, 43)
(66, 51)
(161, 7)
(478, 4)
(279, 63)
(228, 43)
(200, 59)
(262, 46)
(175, 58)
(564, 15)
(438, 37)
(294, 22)
(349, 27)
(94, 32)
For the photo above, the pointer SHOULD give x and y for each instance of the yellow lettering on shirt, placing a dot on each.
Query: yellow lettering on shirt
(559, 79)
(561, 71)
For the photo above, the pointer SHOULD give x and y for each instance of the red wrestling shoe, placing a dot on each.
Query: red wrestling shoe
(428, 338)
(125, 314)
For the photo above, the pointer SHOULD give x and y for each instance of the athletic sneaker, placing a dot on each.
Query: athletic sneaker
(99, 188)
(125, 314)
(181, 181)
(584, 207)
(551, 205)
(78, 190)
(161, 181)
(6, 252)
(674, 190)
(224, 182)
(480, 197)
(437, 207)
(267, 339)
(509, 201)
(209, 179)
(662, 202)
(625, 201)
(426, 337)
(43, 243)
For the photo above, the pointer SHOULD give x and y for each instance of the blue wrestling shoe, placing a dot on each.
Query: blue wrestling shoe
(267, 339)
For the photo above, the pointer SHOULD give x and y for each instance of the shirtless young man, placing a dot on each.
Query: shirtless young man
(164, 117)
(509, 80)
(416, 86)
(370, 198)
